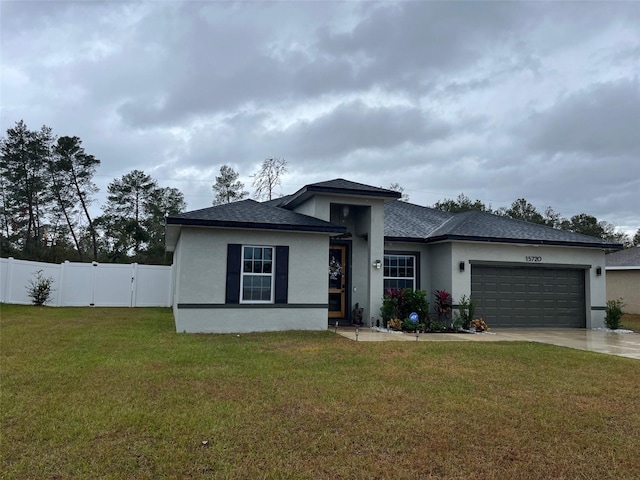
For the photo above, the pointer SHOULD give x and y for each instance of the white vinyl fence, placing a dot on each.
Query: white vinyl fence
(90, 284)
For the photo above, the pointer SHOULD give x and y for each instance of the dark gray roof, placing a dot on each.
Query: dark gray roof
(624, 258)
(359, 188)
(277, 202)
(339, 186)
(404, 220)
(252, 214)
(482, 226)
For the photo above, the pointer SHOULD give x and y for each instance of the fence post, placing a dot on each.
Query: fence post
(94, 274)
(134, 284)
(172, 285)
(7, 286)
(62, 271)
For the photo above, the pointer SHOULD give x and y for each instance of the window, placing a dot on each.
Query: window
(257, 274)
(399, 271)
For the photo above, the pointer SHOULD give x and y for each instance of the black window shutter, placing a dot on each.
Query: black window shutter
(234, 264)
(282, 274)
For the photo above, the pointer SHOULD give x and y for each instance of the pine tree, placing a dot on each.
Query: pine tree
(228, 188)
(23, 160)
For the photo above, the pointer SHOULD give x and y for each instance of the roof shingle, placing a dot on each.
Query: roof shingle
(414, 222)
(624, 258)
(403, 220)
(406, 220)
(252, 214)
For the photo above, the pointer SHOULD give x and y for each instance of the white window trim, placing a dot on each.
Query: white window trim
(415, 268)
(272, 275)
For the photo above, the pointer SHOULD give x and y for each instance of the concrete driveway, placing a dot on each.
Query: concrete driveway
(620, 344)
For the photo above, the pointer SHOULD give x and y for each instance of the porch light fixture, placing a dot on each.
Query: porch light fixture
(462, 266)
(599, 271)
(377, 264)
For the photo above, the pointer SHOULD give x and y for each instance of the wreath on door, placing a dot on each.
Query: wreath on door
(335, 269)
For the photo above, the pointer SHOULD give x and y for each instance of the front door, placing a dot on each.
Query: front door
(337, 281)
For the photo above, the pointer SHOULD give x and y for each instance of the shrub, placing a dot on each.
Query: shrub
(465, 313)
(399, 303)
(40, 288)
(613, 313)
(409, 326)
(395, 324)
(442, 307)
(389, 307)
(480, 325)
(437, 326)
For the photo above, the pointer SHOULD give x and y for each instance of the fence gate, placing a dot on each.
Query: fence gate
(90, 284)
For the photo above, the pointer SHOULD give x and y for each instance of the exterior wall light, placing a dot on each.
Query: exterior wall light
(377, 264)
(599, 271)
(462, 266)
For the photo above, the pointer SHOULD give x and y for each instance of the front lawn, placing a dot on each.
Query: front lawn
(116, 393)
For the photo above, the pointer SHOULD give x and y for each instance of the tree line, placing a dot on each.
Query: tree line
(47, 187)
(521, 209)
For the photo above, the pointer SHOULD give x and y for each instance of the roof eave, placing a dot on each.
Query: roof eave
(194, 222)
(404, 239)
(309, 191)
(524, 241)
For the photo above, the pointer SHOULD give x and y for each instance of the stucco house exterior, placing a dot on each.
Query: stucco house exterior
(305, 260)
(623, 278)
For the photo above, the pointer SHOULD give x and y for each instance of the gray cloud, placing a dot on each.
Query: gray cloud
(497, 99)
(355, 126)
(602, 120)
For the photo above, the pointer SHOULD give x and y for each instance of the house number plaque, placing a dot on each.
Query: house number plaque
(533, 258)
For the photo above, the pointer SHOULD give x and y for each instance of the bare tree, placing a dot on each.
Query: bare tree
(268, 178)
(397, 188)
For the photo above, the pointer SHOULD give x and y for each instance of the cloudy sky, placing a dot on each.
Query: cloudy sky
(496, 100)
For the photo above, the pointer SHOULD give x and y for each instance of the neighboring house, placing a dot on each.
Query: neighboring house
(301, 261)
(623, 278)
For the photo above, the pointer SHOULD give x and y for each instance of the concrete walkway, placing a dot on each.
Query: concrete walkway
(620, 344)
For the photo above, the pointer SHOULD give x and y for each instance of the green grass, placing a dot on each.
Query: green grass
(116, 393)
(631, 321)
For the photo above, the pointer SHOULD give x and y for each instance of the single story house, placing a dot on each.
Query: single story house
(623, 278)
(306, 260)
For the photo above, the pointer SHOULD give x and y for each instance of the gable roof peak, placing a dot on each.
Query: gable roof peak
(339, 186)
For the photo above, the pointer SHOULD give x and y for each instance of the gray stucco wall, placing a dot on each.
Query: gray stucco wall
(440, 267)
(365, 222)
(595, 286)
(201, 259)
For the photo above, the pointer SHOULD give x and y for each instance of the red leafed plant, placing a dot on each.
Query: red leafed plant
(442, 305)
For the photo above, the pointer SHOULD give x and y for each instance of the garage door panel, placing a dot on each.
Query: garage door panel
(529, 296)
